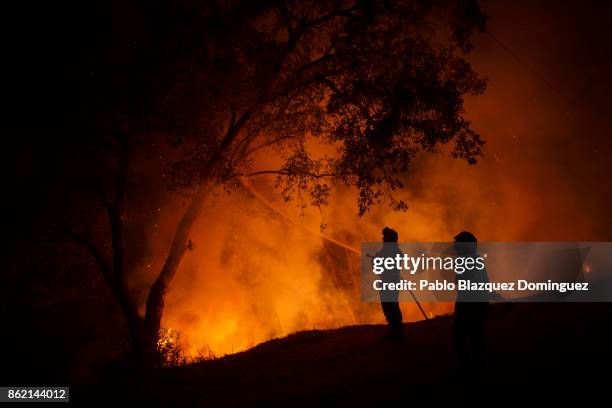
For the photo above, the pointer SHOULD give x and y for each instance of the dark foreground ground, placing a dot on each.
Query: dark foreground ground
(568, 346)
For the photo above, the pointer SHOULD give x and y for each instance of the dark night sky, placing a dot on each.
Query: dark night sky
(545, 112)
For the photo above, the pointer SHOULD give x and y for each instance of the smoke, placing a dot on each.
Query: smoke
(258, 272)
(255, 275)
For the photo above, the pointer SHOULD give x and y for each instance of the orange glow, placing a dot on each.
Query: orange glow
(261, 270)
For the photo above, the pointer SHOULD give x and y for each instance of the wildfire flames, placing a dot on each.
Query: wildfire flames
(260, 268)
(265, 271)
(256, 272)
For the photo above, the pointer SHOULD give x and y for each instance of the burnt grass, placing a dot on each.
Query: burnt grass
(531, 344)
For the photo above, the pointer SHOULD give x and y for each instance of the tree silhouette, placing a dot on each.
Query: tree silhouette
(378, 81)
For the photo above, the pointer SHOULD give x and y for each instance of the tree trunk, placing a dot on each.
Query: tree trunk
(126, 301)
(130, 313)
(157, 294)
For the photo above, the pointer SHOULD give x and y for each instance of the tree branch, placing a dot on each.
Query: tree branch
(266, 144)
(287, 173)
(91, 248)
(297, 33)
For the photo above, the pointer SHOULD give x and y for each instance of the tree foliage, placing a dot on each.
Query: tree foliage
(379, 81)
(374, 81)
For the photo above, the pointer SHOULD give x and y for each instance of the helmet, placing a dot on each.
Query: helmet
(465, 236)
(389, 235)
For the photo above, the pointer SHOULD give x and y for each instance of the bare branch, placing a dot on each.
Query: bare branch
(93, 250)
(244, 144)
(266, 144)
(123, 159)
(287, 173)
(287, 17)
(326, 56)
(297, 34)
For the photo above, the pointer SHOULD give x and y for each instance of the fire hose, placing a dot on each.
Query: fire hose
(326, 237)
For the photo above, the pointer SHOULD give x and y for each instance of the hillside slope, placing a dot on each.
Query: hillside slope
(528, 343)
